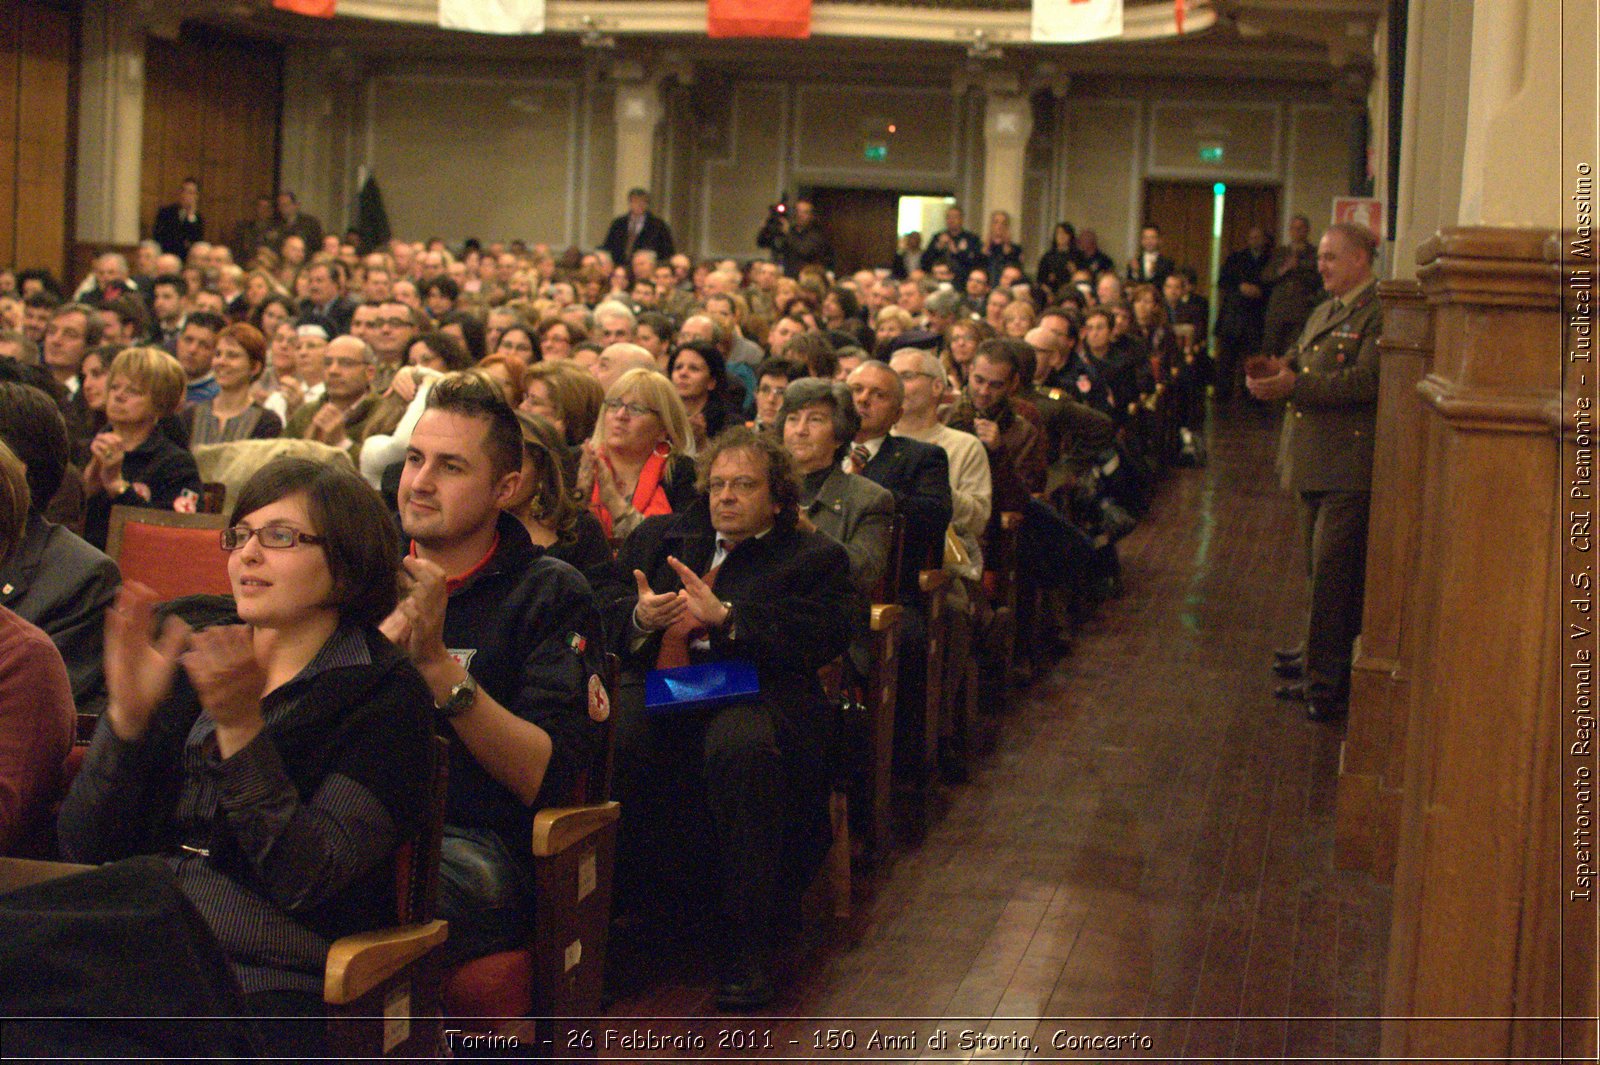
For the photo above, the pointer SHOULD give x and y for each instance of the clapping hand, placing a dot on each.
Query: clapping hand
(416, 626)
(656, 612)
(703, 603)
(222, 666)
(138, 669)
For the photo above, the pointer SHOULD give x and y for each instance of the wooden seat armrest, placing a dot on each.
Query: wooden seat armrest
(1011, 520)
(932, 580)
(25, 872)
(557, 829)
(360, 963)
(885, 616)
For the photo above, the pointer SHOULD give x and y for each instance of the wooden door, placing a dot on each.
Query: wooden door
(1184, 209)
(36, 105)
(1246, 206)
(211, 112)
(861, 225)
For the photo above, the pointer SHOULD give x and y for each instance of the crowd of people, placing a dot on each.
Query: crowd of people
(553, 454)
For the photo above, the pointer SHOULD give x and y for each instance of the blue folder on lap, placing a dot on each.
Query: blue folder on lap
(711, 684)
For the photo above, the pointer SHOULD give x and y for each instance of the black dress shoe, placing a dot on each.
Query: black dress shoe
(1322, 711)
(1289, 654)
(1291, 692)
(750, 989)
(1288, 669)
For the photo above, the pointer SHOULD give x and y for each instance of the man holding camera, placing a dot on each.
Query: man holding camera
(797, 243)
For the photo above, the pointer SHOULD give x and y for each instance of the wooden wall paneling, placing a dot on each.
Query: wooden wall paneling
(44, 96)
(1372, 771)
(10, 71)
(211, 112)
(1471, 893)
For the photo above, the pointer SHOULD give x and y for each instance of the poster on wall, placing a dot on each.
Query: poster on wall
(1362, 210)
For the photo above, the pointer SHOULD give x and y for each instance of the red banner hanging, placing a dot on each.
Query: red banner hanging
(758, 18)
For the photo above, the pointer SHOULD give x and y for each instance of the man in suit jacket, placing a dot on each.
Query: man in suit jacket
(1150, 266)
(638, 230)
(1331, 379)
(733, 577)
(179, 226)
(918, 475)
(53, 578)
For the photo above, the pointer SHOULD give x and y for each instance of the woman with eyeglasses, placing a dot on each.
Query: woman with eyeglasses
(276, 773)
(639, 463)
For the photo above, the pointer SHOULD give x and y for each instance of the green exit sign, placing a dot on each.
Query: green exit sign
(1211, 153)
(876, 152)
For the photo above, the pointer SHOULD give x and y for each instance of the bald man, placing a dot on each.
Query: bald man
(618, 359)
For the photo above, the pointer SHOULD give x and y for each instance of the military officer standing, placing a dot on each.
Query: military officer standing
(1331, 381)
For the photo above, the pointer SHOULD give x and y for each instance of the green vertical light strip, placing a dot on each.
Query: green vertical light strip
(1219, 199)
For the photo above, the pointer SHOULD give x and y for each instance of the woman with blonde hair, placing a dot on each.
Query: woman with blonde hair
(640, 461)
(565, 395)
(131, 464)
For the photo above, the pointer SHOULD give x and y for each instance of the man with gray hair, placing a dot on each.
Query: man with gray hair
(971, 488)
(614, 323)
(339, 417)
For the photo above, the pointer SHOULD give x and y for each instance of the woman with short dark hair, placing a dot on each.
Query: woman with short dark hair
(278, 772)
(233, 414)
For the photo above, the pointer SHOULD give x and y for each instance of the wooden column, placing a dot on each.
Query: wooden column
(1374, 755)
(1478, 869)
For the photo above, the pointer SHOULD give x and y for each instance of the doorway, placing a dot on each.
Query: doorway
(1186, 213)
(861, 225)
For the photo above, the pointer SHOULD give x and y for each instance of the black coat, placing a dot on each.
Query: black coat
(157, 472)
(791, 596)
(919, 476)
(175, 233)
(655, 235)
(526, 627)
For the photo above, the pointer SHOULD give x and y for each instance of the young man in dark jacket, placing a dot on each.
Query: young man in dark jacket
(508, 641)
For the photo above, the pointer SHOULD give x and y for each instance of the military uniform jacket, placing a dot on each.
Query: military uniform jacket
(1334, 405)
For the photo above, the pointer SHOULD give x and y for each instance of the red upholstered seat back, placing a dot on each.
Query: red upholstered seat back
(173, 561)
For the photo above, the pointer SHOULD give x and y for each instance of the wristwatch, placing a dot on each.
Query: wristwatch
(727, 619)
(460, 698)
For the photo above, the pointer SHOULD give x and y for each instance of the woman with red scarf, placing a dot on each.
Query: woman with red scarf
(639, 462)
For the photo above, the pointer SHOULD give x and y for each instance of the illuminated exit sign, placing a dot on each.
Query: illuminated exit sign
(876, 152)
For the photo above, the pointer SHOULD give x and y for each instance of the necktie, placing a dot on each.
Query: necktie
(859, 457)
(686, 630)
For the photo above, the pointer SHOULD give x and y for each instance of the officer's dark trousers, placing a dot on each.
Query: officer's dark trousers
(1336, 550)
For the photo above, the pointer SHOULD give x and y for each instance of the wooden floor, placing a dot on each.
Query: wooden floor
(1146, 854)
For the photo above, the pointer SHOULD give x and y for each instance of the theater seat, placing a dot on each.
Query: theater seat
(380, 988)
(558, 975)
(173, 554)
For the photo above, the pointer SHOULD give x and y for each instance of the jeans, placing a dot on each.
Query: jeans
(485, 892)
